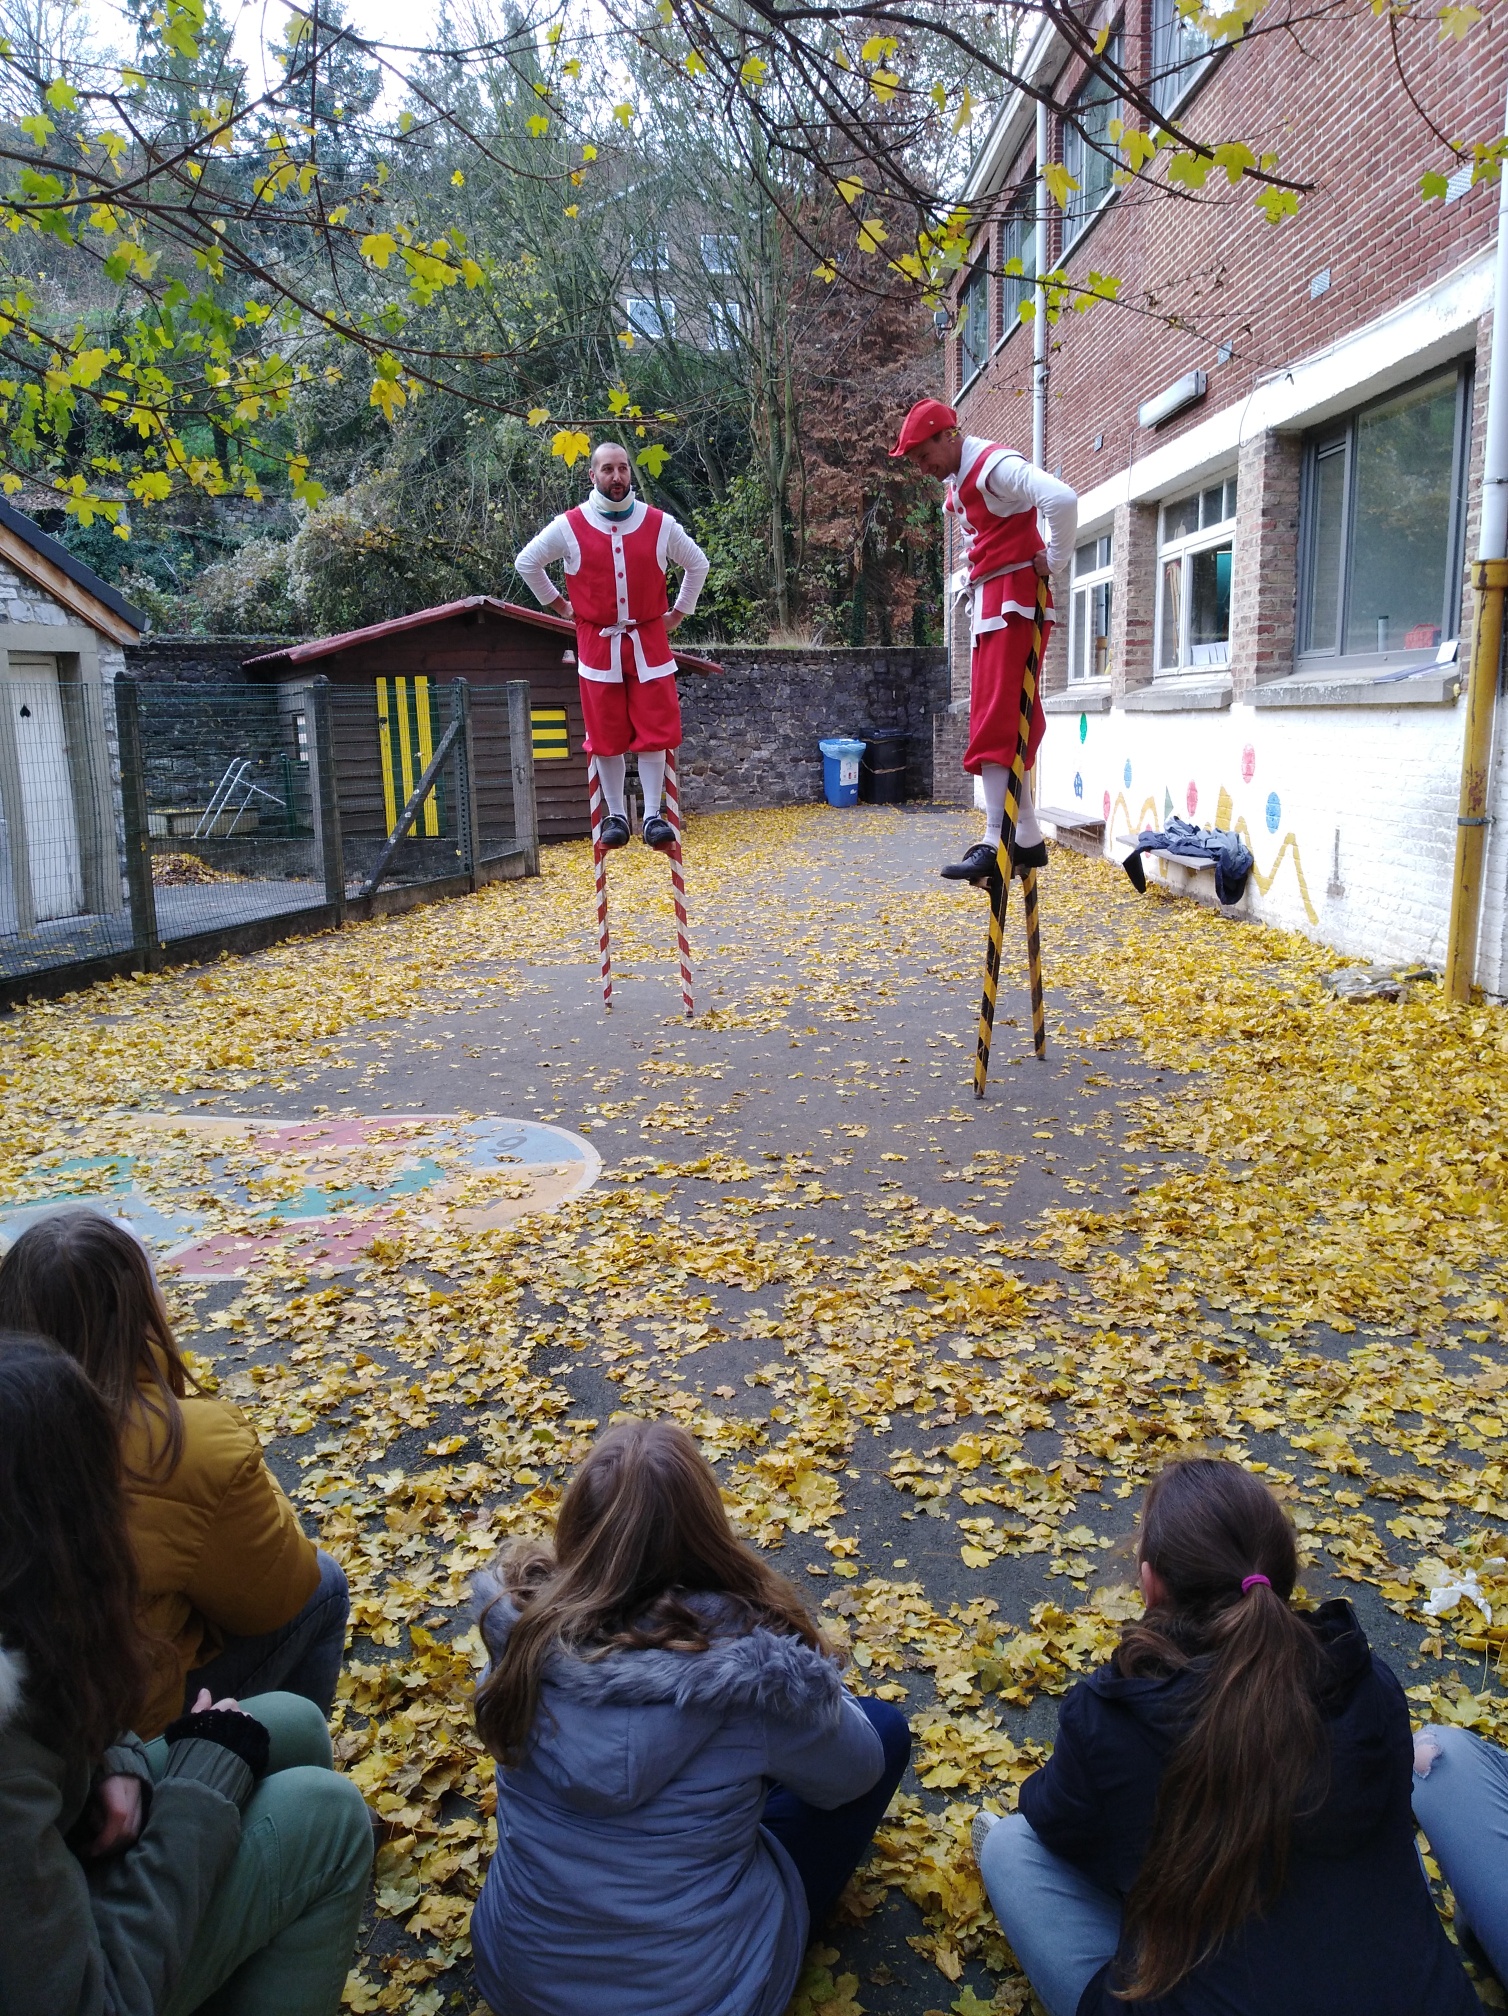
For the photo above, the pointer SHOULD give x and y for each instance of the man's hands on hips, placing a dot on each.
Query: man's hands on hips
(562, 607)
(675, 619)
(1040, 562)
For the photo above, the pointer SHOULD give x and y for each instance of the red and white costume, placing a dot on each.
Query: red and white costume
(997, 496)
(615, 582)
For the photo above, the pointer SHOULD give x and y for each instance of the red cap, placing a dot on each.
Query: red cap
(926, 418)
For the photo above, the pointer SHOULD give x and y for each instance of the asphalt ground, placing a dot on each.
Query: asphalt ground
(815, 1131)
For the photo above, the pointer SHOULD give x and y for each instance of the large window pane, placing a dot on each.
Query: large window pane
(1180, 51)
(1209, 606)
(1172, 613)
(1088, 153)
(1018, 241)
(1327, 546)
(1401, 535)
(974, 322)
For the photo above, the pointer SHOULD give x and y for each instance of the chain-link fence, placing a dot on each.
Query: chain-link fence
(176, 820)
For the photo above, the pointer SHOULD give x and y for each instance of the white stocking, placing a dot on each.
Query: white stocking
(652, 779)
(992, 778)
(611, 771)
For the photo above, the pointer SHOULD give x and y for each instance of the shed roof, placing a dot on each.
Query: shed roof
(43, 559)
(489, 605)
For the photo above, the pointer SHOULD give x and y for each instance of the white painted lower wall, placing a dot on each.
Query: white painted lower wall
(1350, 812)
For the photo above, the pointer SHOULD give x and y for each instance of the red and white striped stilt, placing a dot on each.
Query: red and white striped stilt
(599, 865)
(678, 880)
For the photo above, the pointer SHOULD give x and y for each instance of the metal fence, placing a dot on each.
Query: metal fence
(159, 822)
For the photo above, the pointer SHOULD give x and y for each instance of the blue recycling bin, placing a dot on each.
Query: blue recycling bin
(840, 769)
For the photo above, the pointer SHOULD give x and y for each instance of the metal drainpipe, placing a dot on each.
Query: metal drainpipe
(1489, 578)
(1039, 320)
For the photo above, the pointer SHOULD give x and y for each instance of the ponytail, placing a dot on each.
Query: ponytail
(1252, 1757)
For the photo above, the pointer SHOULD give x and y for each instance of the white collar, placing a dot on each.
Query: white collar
(629, 523)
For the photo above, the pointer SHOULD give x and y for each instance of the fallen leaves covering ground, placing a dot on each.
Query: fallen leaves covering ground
(935, 1350)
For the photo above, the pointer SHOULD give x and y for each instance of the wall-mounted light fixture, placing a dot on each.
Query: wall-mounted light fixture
(942, 322)
(1182, 392)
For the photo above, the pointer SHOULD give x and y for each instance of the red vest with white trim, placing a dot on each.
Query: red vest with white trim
(998, 545)
(619, 591)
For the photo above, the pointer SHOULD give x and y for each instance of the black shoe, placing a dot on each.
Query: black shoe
(976, 866)
(614, 831)
(658, 832)
(1031, 857)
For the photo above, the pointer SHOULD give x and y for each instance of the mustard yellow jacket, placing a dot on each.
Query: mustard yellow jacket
(219, 1549)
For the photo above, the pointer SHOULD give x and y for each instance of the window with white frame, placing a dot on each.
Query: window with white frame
(653, 319)
(1089, 614)
(724, 323)
(1088, 151)
(1194, 556)
(650, 256)
(1018, 257)
(1384, 522)
(718, 251)
(974, 321)
(1181, 53)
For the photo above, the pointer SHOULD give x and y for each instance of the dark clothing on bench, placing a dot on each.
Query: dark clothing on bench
(1354, 1931)
(1200, 846)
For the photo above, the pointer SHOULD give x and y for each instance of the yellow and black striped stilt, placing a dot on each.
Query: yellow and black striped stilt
(1005, 859)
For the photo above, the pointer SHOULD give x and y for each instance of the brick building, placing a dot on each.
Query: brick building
(1276, 438)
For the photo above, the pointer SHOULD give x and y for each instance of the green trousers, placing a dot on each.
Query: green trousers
(280, 1935)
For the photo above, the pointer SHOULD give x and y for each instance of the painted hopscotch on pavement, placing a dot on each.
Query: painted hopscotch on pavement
(214, 1195)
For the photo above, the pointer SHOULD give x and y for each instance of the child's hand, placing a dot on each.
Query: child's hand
(1426, 1750)
(119, 1800)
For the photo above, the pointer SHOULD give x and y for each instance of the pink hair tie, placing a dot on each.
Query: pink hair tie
(1251, 1582)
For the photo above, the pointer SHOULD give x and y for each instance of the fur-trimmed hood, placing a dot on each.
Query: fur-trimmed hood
(12, 1686)
(613, 1730)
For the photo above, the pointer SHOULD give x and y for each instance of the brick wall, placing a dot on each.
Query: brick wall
(1200, 273)
(1264, 569)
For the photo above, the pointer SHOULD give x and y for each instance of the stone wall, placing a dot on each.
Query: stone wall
(202, 660)
(751, 737)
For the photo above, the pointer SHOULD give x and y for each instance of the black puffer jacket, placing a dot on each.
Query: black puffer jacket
(1354, 1932)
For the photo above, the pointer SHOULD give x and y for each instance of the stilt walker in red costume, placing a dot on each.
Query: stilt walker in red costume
(1000, 498)
(615, 549)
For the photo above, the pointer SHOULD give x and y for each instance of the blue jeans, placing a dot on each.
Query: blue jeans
(1061, 1927)
(827, 1847)
(1463, 1807)
(301, 1657)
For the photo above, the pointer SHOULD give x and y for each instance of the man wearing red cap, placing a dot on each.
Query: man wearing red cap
(1000, 498)
(615, 549)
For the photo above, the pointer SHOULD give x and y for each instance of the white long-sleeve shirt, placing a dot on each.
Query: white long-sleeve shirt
(557, 543)
(1014, 484)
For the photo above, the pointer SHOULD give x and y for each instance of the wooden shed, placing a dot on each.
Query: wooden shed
(481, 639)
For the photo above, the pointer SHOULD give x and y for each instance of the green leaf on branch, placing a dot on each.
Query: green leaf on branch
(653, 458)
(1276, 204)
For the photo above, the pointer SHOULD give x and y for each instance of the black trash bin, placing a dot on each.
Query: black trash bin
(882, 770)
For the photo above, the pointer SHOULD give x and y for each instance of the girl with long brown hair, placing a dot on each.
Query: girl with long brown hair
(233, 1595)
(1224, 1823)
(684, 1783)
(222, 1866)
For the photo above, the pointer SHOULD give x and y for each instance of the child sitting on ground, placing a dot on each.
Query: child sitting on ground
(234, 1597)
(1223, 1828)
(685, 1784)
(221, 1868)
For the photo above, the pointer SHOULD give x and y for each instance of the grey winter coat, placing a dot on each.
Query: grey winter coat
(631, 1872)
(106, 1938)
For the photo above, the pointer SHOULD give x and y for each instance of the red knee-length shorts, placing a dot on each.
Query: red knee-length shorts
(638, 714)
(996, 668)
